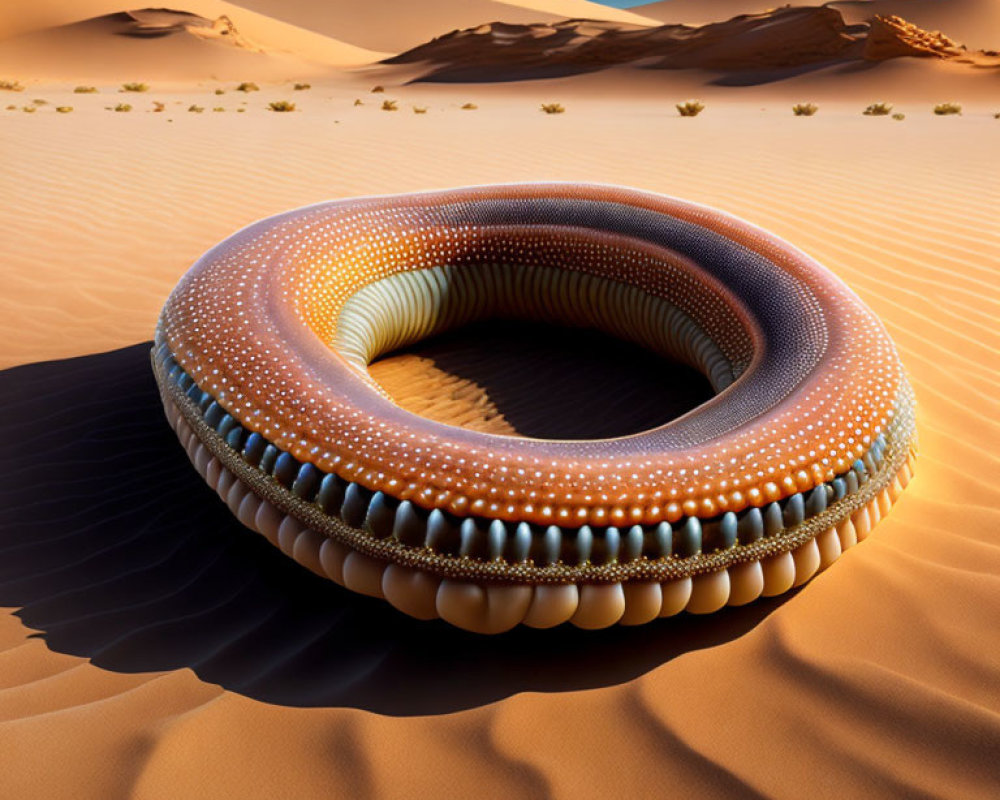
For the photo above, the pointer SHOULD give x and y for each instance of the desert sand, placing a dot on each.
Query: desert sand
(150, 647)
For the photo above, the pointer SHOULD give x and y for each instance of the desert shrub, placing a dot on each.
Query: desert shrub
(358, 101)
(389, 105)
(123, 107)
(218, 108)
(40, 102)
(135, 87)
(804, 109)
(281, 105)
(420, 109)
(899, 117)
(11, 86)
(240, 110)
(690, 108)
(469, 107)
(30, 109)
(64, 109)
(376, 89)
(220, 91)
(552, 108)
(85, 90)
(300, 87)
(942, 109)
(248, 86)
(158, 106)
(879, 109)
(195, 109)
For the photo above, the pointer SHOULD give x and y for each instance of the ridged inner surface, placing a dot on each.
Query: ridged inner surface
(409, 306)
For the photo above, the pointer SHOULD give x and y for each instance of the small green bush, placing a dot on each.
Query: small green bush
(690, 108)
(941, 109)
(879, 109)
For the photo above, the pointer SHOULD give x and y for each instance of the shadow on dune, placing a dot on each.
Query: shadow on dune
(115, 550)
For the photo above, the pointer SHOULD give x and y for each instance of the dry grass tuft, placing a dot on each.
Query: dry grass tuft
(158, 106)
(85, 90)
(358, 101)
(248, 86)
(690, 108)
(420, 109)
(804, 109)
(879, 109)
(941, 109)
(899, 116)
(123, 107)
(11, 86)
(30, 109)
(40, 102)
(281, 105)
(389, 105)
(301, 87)
(218, 108)
(64, 109)
(135, 87)
(552, 108)
(469, 107)
(195, 109)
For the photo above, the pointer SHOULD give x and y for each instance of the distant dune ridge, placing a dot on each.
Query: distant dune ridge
(784, 39)
(480, 40)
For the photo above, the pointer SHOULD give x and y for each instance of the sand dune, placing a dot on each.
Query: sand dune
(96, 40)
(158, 650)
(752, 48)
(700, 12)
(392, 25)
(974, 22)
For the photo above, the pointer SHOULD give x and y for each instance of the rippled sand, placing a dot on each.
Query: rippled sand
(153, 648)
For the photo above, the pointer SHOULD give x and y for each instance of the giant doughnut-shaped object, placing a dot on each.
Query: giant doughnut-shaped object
(261, 354)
